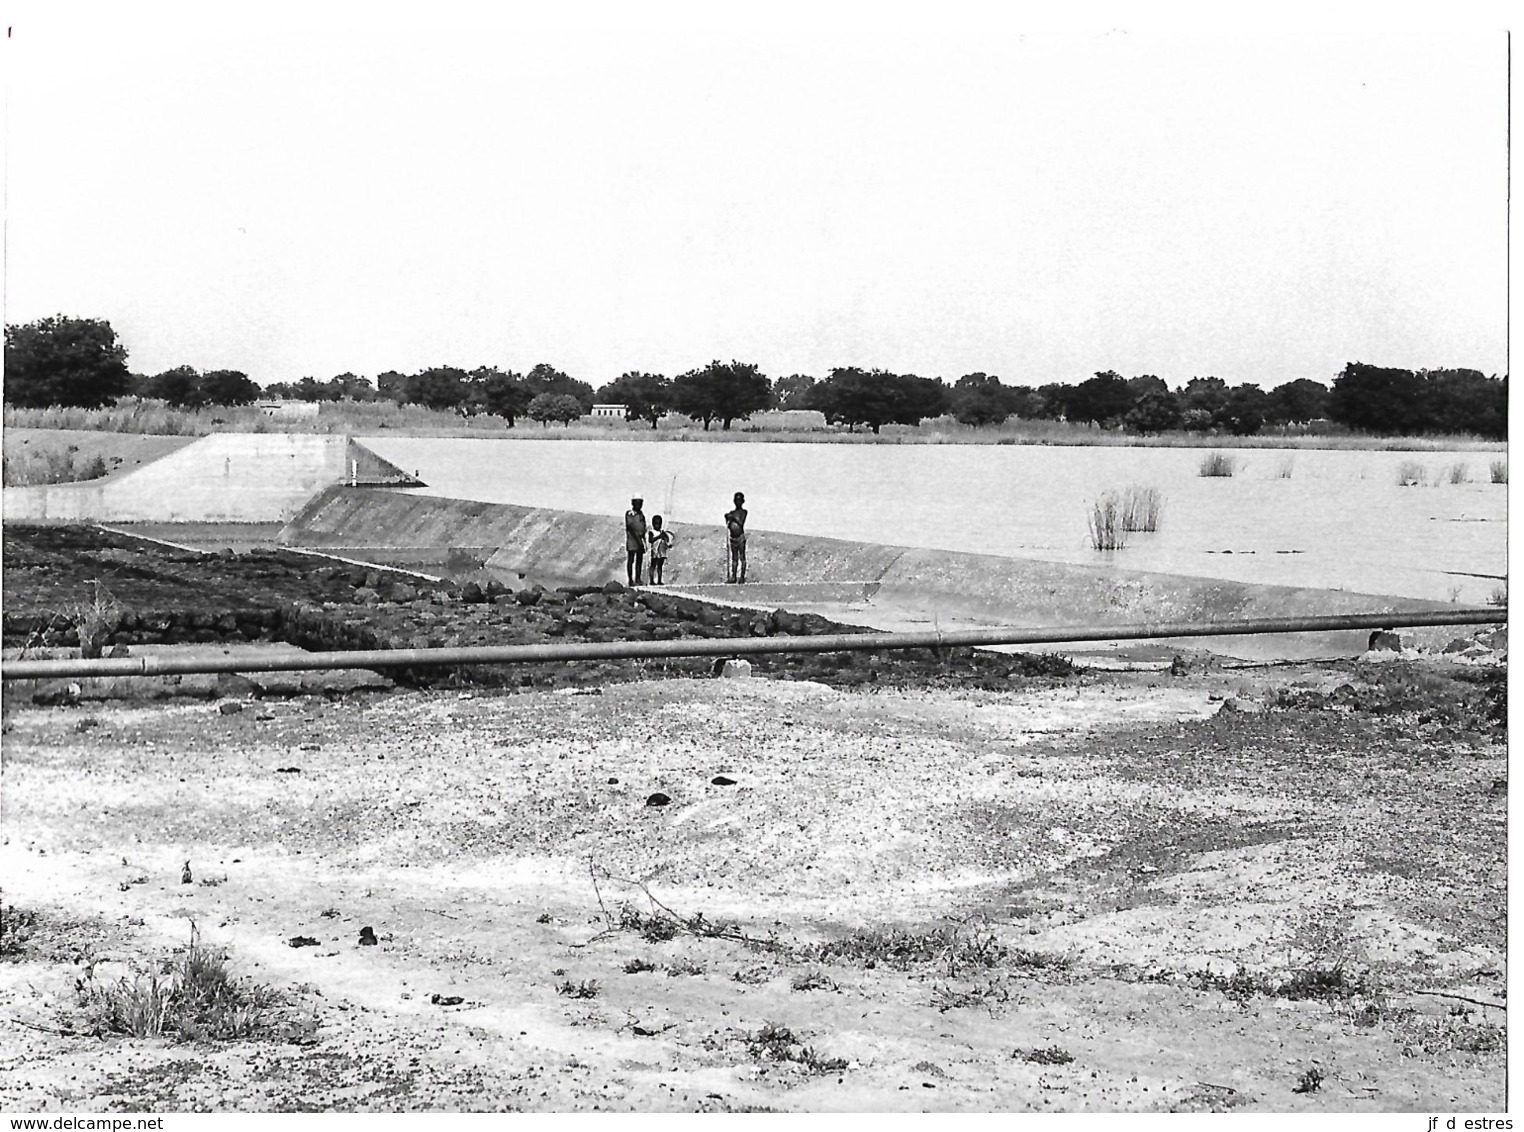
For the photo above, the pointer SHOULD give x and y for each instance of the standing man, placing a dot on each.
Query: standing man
(634, 540)
(735, 526)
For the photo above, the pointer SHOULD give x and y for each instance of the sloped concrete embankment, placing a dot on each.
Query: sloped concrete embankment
(788, 568)
(226, 477)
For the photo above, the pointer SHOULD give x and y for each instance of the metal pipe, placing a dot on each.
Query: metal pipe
(731, 646)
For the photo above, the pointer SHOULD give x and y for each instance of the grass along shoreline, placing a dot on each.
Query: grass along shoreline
(153, 418)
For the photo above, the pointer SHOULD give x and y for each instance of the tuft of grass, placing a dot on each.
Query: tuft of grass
(585, 989)
(1284, 469)
(1052, 1055)
(637, 965)
(1410, 473)
(1105, 521)
(94, 620)
(684, 966)
(1499, 469)
(1141, 507)
(988, 993)
(1218, 464)
(193, 999)
(1458, 473)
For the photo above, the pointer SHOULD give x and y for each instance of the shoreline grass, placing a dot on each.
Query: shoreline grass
(154, 418)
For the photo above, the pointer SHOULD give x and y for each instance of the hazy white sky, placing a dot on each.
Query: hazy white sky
(650, 187)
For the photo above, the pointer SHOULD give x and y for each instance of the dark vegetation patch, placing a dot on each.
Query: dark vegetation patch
(1471, 699)
(167, 596)
(775, 1043)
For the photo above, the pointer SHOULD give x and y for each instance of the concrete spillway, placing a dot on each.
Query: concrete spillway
(903, 585)
(226, 477)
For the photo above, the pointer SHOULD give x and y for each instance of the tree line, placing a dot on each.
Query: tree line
(65, 361)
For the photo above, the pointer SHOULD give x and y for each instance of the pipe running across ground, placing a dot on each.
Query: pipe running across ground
(731, 647)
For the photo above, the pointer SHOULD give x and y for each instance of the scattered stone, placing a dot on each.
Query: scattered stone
(301, 941)
(1497, 640)
(735, 670)
(366, 596)
(446, 1000)
(613, 782)
(1499, 786)
(288, 770)
(528, 597)
(721, 780)
(1460, 644)
(658, 799)
(367, 937)
(472, 594)
(612, 588)
(1383, 640)
(229, 707)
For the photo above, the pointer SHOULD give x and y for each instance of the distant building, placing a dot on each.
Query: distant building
(609, 411)
(288, 410)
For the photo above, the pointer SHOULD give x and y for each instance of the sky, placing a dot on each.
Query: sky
(936, 190)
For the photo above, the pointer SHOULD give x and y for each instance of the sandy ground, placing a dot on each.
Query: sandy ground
(1115, 847)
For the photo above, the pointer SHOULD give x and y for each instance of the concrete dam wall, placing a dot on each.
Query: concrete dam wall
(226, 477)
(788, 569)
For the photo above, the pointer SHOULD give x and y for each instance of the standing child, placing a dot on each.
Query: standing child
(661, 543)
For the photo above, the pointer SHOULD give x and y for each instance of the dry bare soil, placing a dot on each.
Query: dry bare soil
(1279, 889)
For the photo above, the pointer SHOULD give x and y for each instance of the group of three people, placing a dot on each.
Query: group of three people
(637, 536)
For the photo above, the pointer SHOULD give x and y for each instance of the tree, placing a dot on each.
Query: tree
(1201, 400)
(547, 379)
(645, 396)
(1297, 402)
(442, 387)
(790, 392)
(179, 387)
(1103, 399)
(228, 387)
(549, 407)
(1155, 411)
(1373, 399)
(349, 386)
(501, 394)
(980, 399)
(392, 386)
(854, 396)
(1244, 411)
(1466, 400)
(64, 361)
(721, 391)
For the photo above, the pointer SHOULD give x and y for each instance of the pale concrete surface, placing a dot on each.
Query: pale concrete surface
(226, 477)
(905, 584)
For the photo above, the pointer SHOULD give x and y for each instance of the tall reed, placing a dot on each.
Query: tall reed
(1410, 473)
(1499, 471)
(1218, 464)
(1107, 531)
(1141, 507)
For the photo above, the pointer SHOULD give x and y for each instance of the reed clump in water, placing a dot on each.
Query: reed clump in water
(1410, 473)
(1218, 464)
(1499, 470)
(1107, 531)
(1141, 507)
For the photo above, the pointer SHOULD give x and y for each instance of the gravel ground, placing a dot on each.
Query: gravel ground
(1276, 889)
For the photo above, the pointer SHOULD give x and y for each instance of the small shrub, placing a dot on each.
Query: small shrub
(989, 994)
(1107, 531)
(1141, 507)
(17, 926)
(1410, 473)
(637, 965)
(1309, 1081)
(1053, 1055)
(1498, 596)
(812, 980)
(752, 976)
(778, 1043)
(1499, 469)
(1040, 960)
(1218, 464)
(684, 966)
(587, 989)
(1458, 473)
